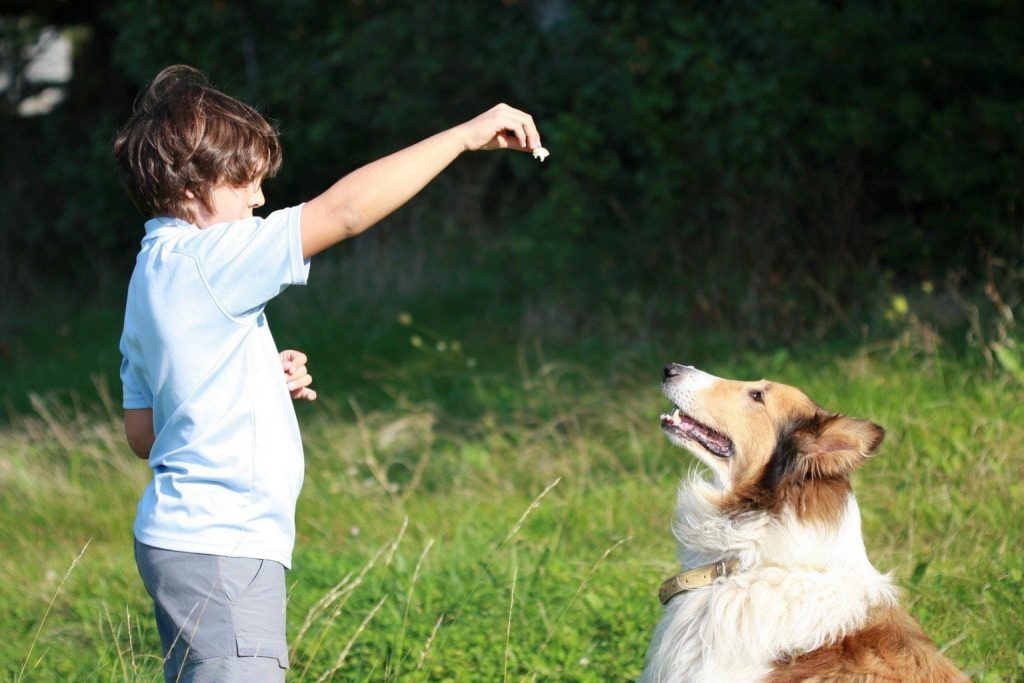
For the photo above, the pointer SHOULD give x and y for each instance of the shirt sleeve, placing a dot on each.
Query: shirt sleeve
(247, 263)
(135, 392)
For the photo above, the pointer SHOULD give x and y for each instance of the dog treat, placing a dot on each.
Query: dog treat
(540, 154)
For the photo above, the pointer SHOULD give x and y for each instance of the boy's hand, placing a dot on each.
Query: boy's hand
(296, 375)
(501, 127)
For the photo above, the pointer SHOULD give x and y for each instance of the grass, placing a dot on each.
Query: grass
(476, 509)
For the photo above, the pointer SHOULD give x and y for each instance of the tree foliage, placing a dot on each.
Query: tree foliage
(770, 160)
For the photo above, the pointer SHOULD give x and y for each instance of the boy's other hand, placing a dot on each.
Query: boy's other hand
(501, 127)
(296, 375)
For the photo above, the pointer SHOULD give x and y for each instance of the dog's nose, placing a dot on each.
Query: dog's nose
(671, 370)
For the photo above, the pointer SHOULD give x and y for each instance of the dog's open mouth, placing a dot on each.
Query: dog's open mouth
(685, 426)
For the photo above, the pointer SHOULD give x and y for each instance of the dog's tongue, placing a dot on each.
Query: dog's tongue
(714, 441)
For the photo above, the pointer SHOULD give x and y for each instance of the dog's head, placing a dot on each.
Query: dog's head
(767, 444)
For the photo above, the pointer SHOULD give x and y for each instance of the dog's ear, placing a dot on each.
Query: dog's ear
(838, 445)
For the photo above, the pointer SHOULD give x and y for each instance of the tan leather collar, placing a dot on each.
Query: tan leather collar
(695, 578)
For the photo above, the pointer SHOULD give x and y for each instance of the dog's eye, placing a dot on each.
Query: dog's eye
(757, 395)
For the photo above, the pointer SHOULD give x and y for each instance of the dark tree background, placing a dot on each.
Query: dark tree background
(782, 166)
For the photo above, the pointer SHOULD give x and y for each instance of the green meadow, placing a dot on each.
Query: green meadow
(482, 509)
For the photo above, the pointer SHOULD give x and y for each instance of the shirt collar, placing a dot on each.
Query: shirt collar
(162, 225)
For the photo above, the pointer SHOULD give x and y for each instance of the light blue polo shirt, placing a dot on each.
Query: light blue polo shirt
(227, 462)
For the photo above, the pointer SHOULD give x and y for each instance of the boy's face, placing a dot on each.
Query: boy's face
(230, 203)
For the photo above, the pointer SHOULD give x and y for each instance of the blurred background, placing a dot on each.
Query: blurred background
(763, 173)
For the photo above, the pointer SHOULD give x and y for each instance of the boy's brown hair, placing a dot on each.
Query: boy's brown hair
(184, 134)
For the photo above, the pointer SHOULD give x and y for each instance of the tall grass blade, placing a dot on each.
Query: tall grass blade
(337, 597)
(399, 655)
(572, 600)
(351, 641)
(508, 627)
(39, 629)
(533, 506)
(427, 645)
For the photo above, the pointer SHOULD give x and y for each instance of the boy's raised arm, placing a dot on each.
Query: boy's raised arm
(371, 192)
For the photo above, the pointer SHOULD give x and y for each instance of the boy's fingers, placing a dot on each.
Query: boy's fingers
(532, 134)
(514, 129)
(296, 357)
(293, 362)
(300, 381)
(530, 137)
(521, 125)
(519, 132)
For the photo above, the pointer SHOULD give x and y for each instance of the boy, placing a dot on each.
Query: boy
(203, 396)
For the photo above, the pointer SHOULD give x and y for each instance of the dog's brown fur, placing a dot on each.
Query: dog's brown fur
(890, 648)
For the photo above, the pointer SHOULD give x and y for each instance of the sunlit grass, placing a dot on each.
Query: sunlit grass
(511, 523)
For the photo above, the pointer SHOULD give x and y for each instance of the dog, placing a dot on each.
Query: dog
(778, 584)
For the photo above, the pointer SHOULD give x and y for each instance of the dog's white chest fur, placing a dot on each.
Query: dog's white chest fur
(798, 588)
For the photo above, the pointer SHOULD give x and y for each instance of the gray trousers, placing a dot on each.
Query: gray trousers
(220, 618)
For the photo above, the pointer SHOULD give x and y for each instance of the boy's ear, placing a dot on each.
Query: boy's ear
(189, 194)
(839, 446)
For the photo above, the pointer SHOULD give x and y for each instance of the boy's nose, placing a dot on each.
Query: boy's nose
(256, 199)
